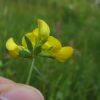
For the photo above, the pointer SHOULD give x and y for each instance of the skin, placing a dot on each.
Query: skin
(10, 90)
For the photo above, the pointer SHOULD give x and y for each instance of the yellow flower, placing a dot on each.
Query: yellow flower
(33, 36)
(42, 44)
(12, 47)
(44, 29)
(35, 33)
(52, 44)
(63, 54)
(42, 32)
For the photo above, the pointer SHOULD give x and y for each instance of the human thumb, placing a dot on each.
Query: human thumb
(14, 91)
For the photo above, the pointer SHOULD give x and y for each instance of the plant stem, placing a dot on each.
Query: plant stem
(30, 72)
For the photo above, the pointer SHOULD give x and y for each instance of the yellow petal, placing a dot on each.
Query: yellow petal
(12, 47)
(14, 53)
(31, 37)
(10, 44)
(64, 53)
(35, 33)
(52, 44)
(44, 29)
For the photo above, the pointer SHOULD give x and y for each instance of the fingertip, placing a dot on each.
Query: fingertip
(16, 91)
(5, 80)
(39, 93)
(34, 90)
(22, 93)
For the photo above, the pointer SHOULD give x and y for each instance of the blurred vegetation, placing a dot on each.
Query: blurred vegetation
(74, 22)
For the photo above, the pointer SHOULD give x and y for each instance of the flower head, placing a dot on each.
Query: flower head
(39, 42)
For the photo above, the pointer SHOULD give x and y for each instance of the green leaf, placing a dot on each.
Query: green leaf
(24, 54)
(29, 44)
(37, 50)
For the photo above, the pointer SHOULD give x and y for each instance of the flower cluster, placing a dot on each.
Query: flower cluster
(39, 42)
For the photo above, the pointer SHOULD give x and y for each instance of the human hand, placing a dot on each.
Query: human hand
(10, 90)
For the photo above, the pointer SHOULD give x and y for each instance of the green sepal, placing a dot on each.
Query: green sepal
(29, 44)
(24, 54)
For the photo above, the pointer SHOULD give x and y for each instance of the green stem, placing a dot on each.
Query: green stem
(30, 72)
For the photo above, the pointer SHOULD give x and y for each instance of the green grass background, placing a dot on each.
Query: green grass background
(74, 22)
